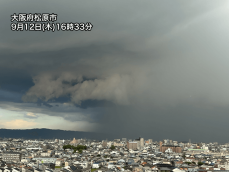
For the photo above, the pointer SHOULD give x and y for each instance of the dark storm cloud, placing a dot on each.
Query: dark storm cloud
(147, 69)
(94, 103)
(10, 96)
(48, 105)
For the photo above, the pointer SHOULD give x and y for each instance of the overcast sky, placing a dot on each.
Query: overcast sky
(151, 68)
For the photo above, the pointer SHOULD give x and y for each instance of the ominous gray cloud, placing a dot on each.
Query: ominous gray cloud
(157, 69)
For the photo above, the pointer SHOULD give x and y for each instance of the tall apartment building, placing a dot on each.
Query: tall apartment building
(160, 144)
(176, 149)
(132, 145)
(150, 141)
(11, 156)
(104, 144)
(142, 143)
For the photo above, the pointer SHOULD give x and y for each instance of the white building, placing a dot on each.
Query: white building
(95, 165)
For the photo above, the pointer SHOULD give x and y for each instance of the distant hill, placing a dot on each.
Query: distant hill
(45, 133)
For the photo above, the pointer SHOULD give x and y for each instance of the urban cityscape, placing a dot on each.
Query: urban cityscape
(137, 155)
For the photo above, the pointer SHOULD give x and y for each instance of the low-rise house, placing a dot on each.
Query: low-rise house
(59, 162)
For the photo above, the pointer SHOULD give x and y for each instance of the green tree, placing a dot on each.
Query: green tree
(79, 148)
(200, 163)
(80, 151)
(112, 147)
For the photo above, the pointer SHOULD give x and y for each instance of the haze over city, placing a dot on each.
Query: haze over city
(150, 68)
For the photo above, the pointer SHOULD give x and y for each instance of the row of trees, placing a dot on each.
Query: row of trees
(78, 148)
(199, 163)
